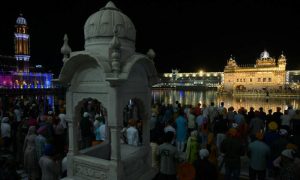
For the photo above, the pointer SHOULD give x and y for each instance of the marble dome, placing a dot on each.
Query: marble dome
(102, 24)
(264, 55)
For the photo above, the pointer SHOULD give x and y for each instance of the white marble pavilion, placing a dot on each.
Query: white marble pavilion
(111, 72)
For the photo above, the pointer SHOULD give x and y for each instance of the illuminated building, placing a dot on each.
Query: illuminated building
(267, 73)
(15, 72)
(196, 80)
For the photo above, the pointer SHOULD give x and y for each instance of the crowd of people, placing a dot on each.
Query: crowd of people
(34, 135)
(33, 139)
(200, 142)
(209, 142)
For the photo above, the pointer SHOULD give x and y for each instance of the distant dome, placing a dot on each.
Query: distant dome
(264, 55)
(102, 24)
(21, 20)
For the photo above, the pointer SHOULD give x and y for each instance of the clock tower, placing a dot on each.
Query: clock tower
(22, 50)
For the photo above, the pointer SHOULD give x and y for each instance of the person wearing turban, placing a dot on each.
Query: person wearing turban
(288, 167)
(232, 149)
(86, 129)
(204, 168)
(132, 133)
(273, 126)
(49, 167)
(288, 162)
(212, 148)
(259, 154)
(232, 132)
(272, 133)
(5, 133)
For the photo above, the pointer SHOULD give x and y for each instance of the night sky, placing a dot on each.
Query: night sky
(187, 35)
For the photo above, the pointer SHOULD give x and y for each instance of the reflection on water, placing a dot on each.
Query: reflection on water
(194, 97)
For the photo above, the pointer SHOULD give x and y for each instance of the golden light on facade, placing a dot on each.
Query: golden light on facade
(194, 75)
(266, 73)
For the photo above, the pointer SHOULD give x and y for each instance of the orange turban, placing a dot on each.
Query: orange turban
(131, 122)
(291, 146)
(259, 135)
(232, 132)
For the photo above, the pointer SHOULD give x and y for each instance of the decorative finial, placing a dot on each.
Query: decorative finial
(282, 56)
(115, 50)
(115, 43)
(110, 5)
(66, 49)
(115, 30)
(151, 54)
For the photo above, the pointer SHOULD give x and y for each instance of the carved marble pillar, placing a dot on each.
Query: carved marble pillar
(73, 132)
(114, 120)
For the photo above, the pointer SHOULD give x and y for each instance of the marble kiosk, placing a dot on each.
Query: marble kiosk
(110, 71)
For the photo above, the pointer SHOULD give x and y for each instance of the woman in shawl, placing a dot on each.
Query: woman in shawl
(192, 147)
(40, 141)
(212, 148)
(30, 156)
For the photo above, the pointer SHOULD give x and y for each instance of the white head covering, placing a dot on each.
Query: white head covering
(62, 116)
(235, 125)
(194, 133)
(289, 153)
(96, 124)
(283, 132)
(97, 116)
(203, 153)
(5, 120)
(85, 114)
(62, 121)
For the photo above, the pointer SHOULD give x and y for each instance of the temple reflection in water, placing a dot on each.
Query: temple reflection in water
(194, 97)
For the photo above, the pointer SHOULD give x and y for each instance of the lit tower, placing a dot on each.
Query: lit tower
(22, 51)
(282, 62)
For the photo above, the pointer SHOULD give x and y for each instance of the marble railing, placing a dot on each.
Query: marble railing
(90, 168)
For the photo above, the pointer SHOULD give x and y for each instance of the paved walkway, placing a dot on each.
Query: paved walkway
(244, 168)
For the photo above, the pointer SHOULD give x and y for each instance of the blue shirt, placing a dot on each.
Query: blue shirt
(259, 153)
(181, 128)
